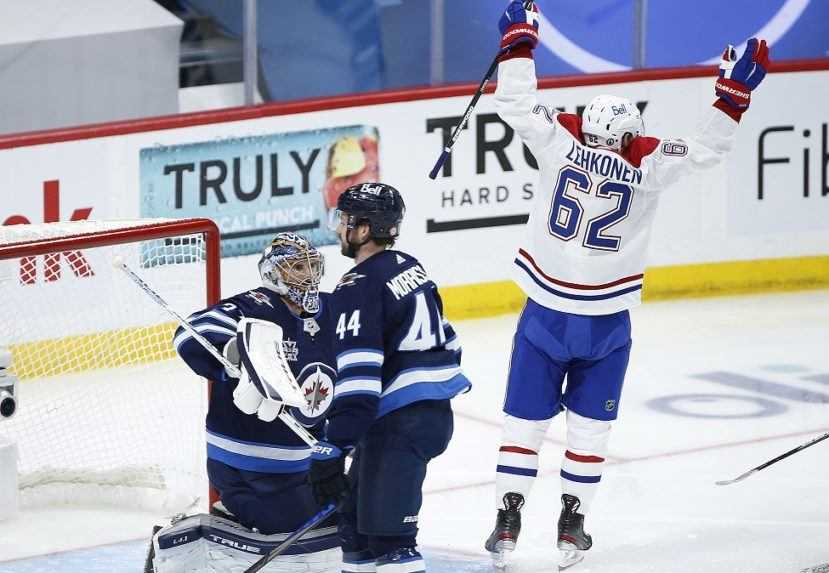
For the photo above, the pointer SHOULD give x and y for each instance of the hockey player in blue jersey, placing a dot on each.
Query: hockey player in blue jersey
(398, 363)
(581, 265)
(260, 467)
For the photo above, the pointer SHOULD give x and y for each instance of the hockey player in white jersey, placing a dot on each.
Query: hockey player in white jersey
(582, 263)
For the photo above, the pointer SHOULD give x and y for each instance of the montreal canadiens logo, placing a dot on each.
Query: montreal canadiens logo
(316, 381)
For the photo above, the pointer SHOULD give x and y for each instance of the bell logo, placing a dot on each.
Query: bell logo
(51, 262)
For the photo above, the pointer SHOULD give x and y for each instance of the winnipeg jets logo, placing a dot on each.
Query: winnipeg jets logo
(259, 298)
(290, 349)
(316, 391)
(316, 381)
(349, 279)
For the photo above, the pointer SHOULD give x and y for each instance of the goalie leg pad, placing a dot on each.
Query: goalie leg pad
(215, 545)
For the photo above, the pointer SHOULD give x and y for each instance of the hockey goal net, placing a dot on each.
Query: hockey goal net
(106, 413)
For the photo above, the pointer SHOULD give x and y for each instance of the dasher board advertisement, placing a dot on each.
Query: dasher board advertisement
(255, 187)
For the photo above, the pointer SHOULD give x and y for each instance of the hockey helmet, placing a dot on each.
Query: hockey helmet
(607, 120)
(378, 205)
(293, 268)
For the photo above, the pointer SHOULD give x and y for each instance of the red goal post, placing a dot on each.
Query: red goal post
(107, 413)
(141, 231)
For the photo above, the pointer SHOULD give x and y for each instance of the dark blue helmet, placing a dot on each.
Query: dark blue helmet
(378, 204)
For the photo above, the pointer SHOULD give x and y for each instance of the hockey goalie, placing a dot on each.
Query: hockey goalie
(275, 340)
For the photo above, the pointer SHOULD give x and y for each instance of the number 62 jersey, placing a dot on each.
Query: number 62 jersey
(587, 236)
(392, 343)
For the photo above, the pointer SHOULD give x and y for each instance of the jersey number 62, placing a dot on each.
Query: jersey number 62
(566, 211)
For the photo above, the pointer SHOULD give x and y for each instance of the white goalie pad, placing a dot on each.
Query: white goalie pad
(263, 358)
(210, 544)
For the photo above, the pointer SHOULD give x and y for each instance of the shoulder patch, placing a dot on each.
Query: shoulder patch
(349, 279)
(400, 260)
(259, 298)
(548, 113)
(675, 148)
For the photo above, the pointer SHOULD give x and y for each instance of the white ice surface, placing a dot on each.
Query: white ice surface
(657, 510)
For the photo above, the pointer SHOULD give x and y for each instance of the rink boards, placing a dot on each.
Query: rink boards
(756, 223)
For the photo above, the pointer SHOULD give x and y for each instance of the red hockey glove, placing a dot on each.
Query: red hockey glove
(519, 25)
(738, 78)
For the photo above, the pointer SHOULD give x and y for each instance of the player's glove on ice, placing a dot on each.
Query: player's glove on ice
(327, 473)
(519, 26)
(738, 78)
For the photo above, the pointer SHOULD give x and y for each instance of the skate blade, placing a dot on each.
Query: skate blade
(499, 556)
(569, 556)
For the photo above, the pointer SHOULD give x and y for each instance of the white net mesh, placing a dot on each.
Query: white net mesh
(106, 413)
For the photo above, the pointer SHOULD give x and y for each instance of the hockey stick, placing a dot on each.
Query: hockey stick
(303, 529)
(148, 563)
(231, 368)
(741, 477)
(444, 155)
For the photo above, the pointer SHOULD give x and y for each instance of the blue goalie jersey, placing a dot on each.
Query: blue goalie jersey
(392, 343)
(243, 441)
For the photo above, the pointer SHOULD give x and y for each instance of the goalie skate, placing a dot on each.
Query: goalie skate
(503, 538)
(572, 540)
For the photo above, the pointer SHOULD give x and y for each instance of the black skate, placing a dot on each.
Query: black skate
(507, 527)
(572, 540)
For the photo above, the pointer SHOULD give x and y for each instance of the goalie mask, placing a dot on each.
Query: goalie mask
(292, 267)
(611, 122)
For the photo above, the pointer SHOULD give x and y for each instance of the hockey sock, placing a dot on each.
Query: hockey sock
(581, 466)
(518, 457)
(580, 475)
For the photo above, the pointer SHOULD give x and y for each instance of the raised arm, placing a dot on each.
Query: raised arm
(515, 95)
(667, 160)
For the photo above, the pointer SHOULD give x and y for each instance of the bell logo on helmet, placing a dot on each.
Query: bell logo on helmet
(373, 189)
(619, 110)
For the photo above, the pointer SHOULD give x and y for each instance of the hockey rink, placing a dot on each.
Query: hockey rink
(714, 388)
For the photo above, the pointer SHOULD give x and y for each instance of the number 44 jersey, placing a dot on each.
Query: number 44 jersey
(587, 237)
(392, 343)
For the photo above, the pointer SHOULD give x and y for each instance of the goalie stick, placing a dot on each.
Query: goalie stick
(303, 529)
(743, 476)
(478, 93)
(232, 369)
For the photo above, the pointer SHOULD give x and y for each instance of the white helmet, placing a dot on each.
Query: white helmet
(607, 119)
